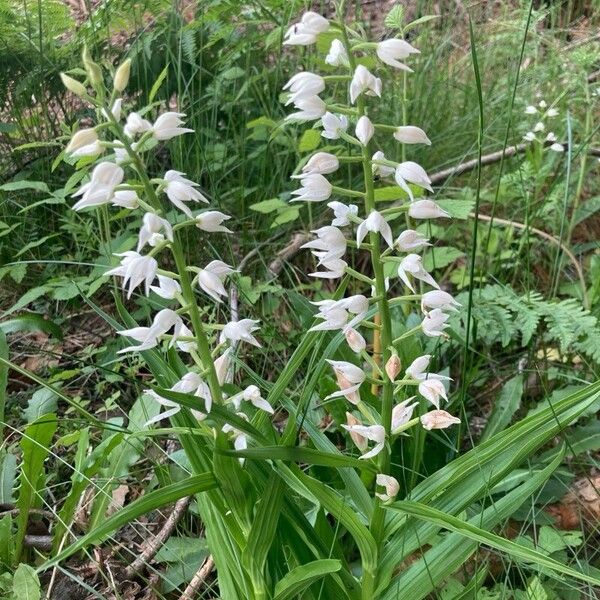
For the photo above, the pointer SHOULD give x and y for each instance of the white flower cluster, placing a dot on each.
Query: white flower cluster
(542, 113)
(109, 184)
(330, 246)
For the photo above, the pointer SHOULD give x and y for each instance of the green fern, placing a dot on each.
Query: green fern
(504, 316)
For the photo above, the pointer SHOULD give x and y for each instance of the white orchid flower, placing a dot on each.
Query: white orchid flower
(323, 163)
(180, 190)
(251, 394)
(375, 223)
(136, 125)
(167, 287)
(331, 243)
(168, 125)
(84, 143)
(240, 331)
(100, 190)
(310, 108)
(210, 221)
(373, 433)
(365, 82)
(389, 51)
(433, 390)
(409, 134)
(349, 379)
(135, 269)
(210, 279)
(337, 55)
(434, 323)
(410, 172)
(333, 125)
(391, 485)
(438, 299)
(315, 188)
(126, 199)
(381, 170)
(410, 240)
(412, 264)
(335, 268)
(402, 413)
(342, 212)
(364, 130)
(426, 209)
(438, 419)
(151, 231)
(306, 31)
(149, 337)
(304, 85)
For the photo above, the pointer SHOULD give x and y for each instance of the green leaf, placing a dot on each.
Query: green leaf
(457, 208)
(35, 244)
(292, 584)
(13, 186)
(156, 85)
(420, 21)
(440, 257)
(309, 456)
(176, 548)
(29, 296)
(310, 140)
(286, 215)
(233, 73)
(395, 18)
(147, 503)
(35, 446)
(3, 378)
(587, 209)
(389, 193)
(472, 532)
(8, 474)
(42, 402)
(268, 206)
(32, 322)
(26, 585)
(505, 406)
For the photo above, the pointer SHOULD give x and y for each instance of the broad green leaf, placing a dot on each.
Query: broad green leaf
(505, 406)
(26, 585)
(8, 474)
(286, 215)
(29, 296)
(3, 378)
(292, 584)
(147, 503)
(395, 18)
(457, 208)
(472, 532)
(6, 540)
(439, 257)
(420, 21)
(42, 402)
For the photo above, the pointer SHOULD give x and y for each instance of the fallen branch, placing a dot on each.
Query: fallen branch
(153, 545)
(198, 579)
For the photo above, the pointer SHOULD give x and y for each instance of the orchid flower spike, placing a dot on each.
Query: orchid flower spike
(210, 279)
(180, 190)
(135, 269)
(342, 213)
(391, 485)
(375, 223)
(389, 51)
(373, 433)
(349, 379)
(412, 264)
(240, 331)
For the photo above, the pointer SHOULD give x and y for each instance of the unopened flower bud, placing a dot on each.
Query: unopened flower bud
(92, 69)
(359, 441)
(73, 85)
(355, 340)
(122, 75)
(393, 366)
